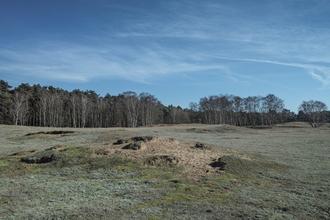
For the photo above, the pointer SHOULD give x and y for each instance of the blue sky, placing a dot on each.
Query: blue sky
(179, 51)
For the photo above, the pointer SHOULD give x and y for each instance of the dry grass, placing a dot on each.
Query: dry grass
(275, 174)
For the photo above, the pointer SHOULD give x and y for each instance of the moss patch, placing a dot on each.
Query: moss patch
(68, 157)
(159, 173)
(146, 205)
(98, 187)
(4, 163)
(3, 202)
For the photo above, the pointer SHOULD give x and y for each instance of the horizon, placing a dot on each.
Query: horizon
(178, 51)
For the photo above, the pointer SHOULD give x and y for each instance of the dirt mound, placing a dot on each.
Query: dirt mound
(234, 164)
(42, 157)
(51, 132)
(219, 164)
(23, 153)
(202, 146)
(144, 138)
(162, 160)
(101, 151)
(136, 145)
(49, 155)
(135, 139)
(56, 148)
(196, 158)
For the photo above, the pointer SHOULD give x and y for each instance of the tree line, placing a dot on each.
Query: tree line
(54, 107)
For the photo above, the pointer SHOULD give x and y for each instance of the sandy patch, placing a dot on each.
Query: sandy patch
(196, 158)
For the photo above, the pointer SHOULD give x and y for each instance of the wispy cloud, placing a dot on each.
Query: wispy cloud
(77, 63)
(272, 29)
(310, 68)
(146, 46)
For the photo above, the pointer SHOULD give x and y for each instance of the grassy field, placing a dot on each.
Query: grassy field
(165, 172)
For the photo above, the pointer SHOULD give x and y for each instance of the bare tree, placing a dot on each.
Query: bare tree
(19, 104)
(182, 116)
(178, 115)
(24, 113)
(314, 112)
(287, 116)
(217, 109)
(43, 105)
(100, 112)
(132, 108)
(73, 101)
(252, 108)
(174, 113)
(225, 108)
(84, 109)
(58, 108)
(238, 108)
(194, 113)
(272, 105)
(205, 109)
(230, 109)
(149, 109)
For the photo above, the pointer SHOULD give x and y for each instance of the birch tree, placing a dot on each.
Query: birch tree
(19, 105)
(84, 109)
(314, 112)
(272, 106)
(132, 108)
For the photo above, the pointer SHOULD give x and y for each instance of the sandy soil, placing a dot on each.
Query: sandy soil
(167, 152)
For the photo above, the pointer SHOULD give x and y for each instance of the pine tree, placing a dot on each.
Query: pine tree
(5, 102)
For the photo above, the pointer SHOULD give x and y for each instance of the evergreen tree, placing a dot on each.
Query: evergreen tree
(5, 102)
(34, 102)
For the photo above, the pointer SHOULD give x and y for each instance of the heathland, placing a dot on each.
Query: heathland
(189, 171)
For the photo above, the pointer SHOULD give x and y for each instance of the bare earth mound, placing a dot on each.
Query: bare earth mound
(49, 134)
(164, 152)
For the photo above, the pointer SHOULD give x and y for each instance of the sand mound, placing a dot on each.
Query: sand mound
(196, 158)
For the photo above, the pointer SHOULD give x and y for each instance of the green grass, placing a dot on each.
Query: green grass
(4, 163)
(171, 197)
(98, 187)
(69, 157)
(173, 188)
(3, 202)
(184, 190)
(159, 173)
(146, 205)
(156, 218)
(227, 178)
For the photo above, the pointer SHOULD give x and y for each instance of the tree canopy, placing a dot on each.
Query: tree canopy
(314, 112)
(54, 107)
